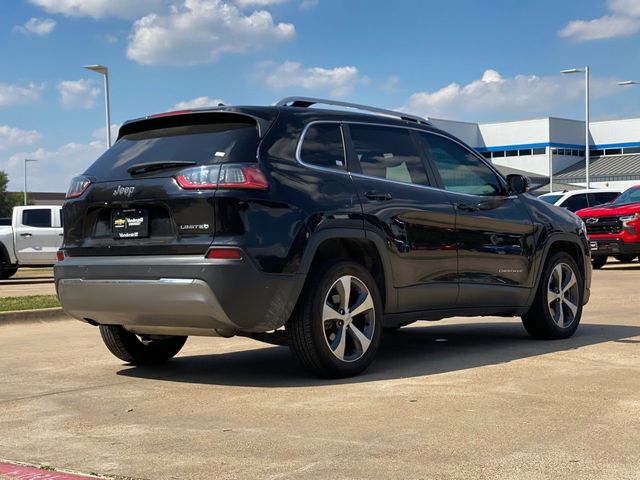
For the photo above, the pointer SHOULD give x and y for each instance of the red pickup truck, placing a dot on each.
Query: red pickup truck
(614, 228)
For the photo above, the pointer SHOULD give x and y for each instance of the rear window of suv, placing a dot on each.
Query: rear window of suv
(203, 144)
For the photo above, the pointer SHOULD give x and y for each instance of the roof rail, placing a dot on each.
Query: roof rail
(305, 102)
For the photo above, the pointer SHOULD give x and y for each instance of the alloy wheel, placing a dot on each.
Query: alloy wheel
(348, 318)
(563, 295)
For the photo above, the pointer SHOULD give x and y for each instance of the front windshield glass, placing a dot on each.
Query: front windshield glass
(631, 195)
(550, 198)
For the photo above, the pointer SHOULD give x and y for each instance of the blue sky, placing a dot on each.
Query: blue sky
(470, 60)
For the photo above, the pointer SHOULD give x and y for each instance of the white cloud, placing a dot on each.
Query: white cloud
(519, 95)
(19, 94)
(54, 168)
(390, 84)
(200, 31)
(79, 93)
(11, 137)
(37, 26)
(338, 81)
(198, 102)
(128, 9)
(309, 4)
(258, 3)
(623, 20)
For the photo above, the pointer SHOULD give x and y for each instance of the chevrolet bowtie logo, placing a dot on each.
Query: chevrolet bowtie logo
(592, 220)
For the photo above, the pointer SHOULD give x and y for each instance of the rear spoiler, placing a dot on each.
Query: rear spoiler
(195, 117)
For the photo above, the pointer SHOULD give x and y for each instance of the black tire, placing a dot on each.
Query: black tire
(625, 258)
(129, 348)
(7, 271)
(539, 320)
(310, 335)
(598, 262)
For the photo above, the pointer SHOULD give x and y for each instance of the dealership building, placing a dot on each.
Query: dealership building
(537, 147)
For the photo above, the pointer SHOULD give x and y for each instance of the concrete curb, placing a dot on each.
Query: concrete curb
(33, 316)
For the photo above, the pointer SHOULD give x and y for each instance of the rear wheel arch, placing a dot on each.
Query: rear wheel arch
(353, 245)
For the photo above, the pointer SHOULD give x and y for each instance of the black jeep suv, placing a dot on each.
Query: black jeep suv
(332, 224)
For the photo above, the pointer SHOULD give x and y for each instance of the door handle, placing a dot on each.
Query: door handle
(473, 208)
(61, 234)
(26, 234)
(467, 208)
(375, 195)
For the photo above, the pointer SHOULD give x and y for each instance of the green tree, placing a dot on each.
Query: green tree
(7, 200)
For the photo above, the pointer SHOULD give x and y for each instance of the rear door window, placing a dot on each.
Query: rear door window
(322, 146)
(601, 198)
(575, 202)
(388, 153)
(38, 217)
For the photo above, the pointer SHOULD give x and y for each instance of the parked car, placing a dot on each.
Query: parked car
(32, 239)
(308, 227)
(614, 228)
(578, 199)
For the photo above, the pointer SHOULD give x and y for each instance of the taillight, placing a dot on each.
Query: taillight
(60, 255)
(222, 176)
(78, 186)
(224, 253)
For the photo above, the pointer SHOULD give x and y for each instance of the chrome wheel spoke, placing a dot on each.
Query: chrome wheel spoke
(361, 339)
(330, 313)
(571, 306)
(559, 314)
(570, 281)
(364, 304)
(344, 289)
(339, 349)
(557, 275)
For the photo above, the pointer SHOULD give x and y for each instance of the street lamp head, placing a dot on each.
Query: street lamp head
(97, 68)
(30, 160)
(572, 70)
(629, 82)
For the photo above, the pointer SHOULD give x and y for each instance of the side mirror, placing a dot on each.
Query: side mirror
(518, 184)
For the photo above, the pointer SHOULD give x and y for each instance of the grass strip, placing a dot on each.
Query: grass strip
(32, 302)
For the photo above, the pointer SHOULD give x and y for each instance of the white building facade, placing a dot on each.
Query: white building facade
(556, 145)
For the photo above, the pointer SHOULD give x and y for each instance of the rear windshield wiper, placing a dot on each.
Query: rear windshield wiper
(146, 167)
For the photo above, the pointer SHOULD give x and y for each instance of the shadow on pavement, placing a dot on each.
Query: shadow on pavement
(410, 352)
(621, 266)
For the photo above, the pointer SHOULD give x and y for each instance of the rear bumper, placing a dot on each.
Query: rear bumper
(177, 295)
(613, 246)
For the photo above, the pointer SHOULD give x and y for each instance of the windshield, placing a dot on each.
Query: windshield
(550, 198)
(631, 195)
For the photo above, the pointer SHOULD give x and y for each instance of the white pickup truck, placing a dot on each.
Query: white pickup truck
(32, 239)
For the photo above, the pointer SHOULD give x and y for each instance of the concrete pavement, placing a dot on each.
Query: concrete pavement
(458, 399)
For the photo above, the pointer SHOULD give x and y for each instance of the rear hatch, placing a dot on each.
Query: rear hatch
(135, 204)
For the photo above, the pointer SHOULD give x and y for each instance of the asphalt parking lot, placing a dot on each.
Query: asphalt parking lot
(459, 399)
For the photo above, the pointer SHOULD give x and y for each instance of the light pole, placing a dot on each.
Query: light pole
(550, 169)
(586, 116)
(104, 71)
(26, 160)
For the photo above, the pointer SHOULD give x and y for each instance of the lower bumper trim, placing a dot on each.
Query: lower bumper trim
(146, 306)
